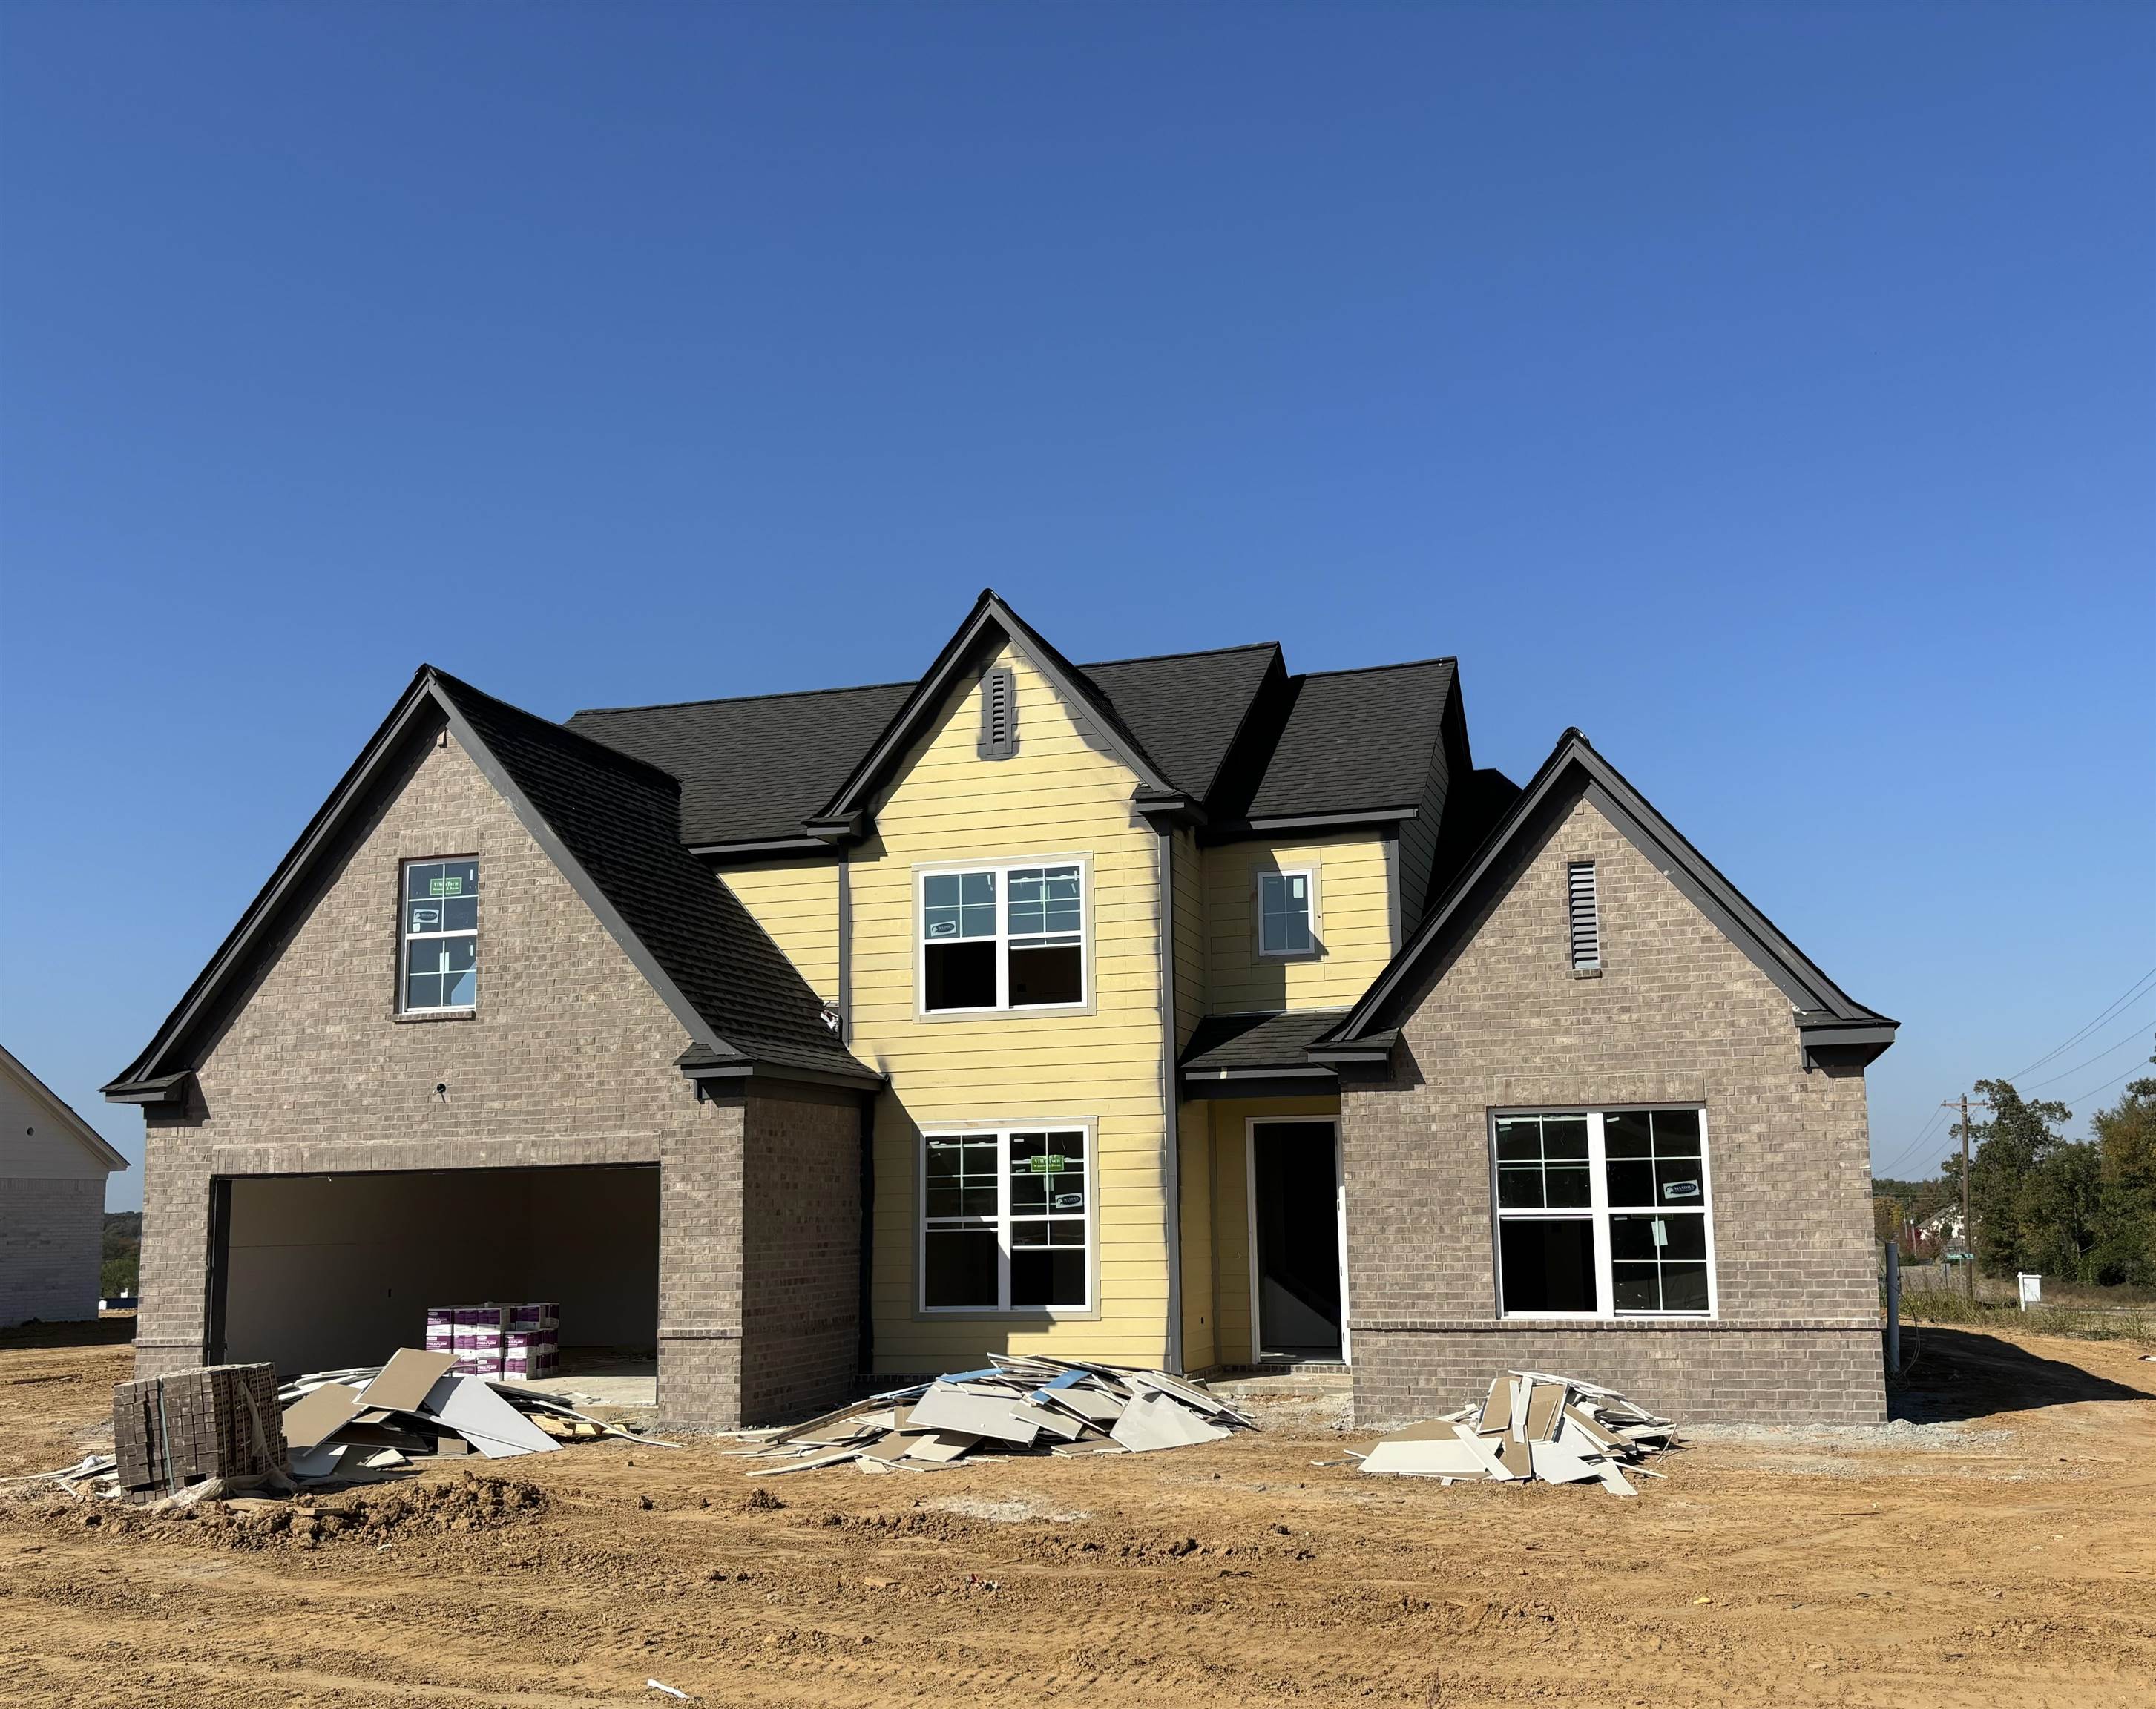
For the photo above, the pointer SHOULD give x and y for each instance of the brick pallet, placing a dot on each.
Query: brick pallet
(213, 1421)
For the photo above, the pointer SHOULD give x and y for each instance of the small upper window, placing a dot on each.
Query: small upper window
(440, 933)
(1284, 914)
(1010, 937)
(1586, 914)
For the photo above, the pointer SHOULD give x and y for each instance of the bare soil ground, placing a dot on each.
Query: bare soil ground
(1996, 1546)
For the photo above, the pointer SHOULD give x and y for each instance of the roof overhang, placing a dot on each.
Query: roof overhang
(1293, 824)
(1199, 1084)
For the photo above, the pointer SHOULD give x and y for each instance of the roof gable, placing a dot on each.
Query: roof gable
(611, 824)
(62, 1112)
(1835, 1028)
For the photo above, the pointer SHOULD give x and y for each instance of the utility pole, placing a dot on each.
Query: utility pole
(1967, 1221)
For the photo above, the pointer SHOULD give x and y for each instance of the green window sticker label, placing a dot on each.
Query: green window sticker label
(445, 887)
(1050, 1163)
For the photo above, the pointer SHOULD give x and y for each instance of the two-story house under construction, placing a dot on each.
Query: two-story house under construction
(1176, 1011)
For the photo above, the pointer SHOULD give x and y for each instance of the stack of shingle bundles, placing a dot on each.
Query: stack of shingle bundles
(1011, 1406)
(532, 1342)
(1531, 1425)
(215, 1421)
(513, 1342)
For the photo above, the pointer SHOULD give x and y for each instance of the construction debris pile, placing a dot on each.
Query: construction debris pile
(226, 1430)
(1012, 1406)
(375, 1419)
(1531, 1425)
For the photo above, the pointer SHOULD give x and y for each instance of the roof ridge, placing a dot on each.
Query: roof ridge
(1451, 658)
(783, 694)
(1198, 653)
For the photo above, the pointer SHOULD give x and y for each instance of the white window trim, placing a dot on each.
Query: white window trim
(1002, 869)
(405, 940)
(1001, 1133)
(1258, 873)
(1598, 1209)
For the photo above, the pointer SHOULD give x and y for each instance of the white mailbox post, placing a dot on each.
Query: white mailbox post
(2032, 1289)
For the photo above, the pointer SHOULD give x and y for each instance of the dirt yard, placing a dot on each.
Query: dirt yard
(1997, 1546)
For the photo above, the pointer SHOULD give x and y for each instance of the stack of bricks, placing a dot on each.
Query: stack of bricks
(177, 1429)
(510, 1343)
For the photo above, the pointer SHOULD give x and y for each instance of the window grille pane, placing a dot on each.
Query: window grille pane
(1284, 913)
(959, 904)
(1045, 899)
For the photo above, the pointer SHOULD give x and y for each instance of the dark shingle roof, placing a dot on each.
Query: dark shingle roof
(1258, 1040)
(619, 819)
(1186, 707)
(1356, 739)
(753, 769)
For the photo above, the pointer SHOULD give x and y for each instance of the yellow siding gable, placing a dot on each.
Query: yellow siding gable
(796, 902)
(1064, 793)
(1353, 917)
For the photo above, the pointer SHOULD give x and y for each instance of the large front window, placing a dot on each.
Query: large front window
(1004, 937)
(440, 936)
(1604, 1213)
(1005, 1221)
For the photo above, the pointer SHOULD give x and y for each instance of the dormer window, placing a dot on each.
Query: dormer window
(439, 937)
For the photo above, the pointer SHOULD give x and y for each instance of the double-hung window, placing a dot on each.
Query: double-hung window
(439, 936)
(1604, 1213)
(1004, 937)
(1005, 1219)
(1284, 913)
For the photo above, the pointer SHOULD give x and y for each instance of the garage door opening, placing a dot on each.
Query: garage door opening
(317, 1272)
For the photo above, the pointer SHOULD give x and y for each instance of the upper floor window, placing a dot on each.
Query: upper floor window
(440, 935)
(1604, 1213)
(1284, 914)
(1004, 937)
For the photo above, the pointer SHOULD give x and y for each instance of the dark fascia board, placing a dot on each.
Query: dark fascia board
(726, 1077)
(762, 848)
(1298, 824)
(1201, 1084)
(1371, 1048)
(848, 807)
(425, 704)
(1574, 766)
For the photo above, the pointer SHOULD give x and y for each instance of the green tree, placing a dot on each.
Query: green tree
(2007, 1150)
(2126, 1215)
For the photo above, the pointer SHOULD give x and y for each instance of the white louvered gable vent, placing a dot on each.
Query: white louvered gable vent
(1586, 916)
(998, 714)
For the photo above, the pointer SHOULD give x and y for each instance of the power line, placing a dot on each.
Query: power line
(1893, 1171)
(2139, 1031)
(2105, 1087)
(2110, 1010)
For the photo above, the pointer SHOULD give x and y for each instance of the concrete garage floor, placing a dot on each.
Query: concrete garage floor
(612, 1379)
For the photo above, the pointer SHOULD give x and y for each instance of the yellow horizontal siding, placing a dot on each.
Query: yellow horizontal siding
(1353, 922)
(1063, 794)
(1189, 893)
(796, 902)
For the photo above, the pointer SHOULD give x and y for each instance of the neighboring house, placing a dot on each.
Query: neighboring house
(1174, 1011)
(53, 1165)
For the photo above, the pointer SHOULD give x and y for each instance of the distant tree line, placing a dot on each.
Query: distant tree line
(2082, 1210)
(123, 1252)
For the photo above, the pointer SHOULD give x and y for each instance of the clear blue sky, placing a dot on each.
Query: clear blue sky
(1769, 390)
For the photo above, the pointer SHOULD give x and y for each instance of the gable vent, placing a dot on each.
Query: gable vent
(998, 714)
(1586, 918)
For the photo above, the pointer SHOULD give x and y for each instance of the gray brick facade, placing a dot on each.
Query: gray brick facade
(569, 1059)
(1677, 1013)
(52, 1247)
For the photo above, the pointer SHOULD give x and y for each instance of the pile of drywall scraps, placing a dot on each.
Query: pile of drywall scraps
(1531, 1425)
(343, 1423)
(1012, 1406)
